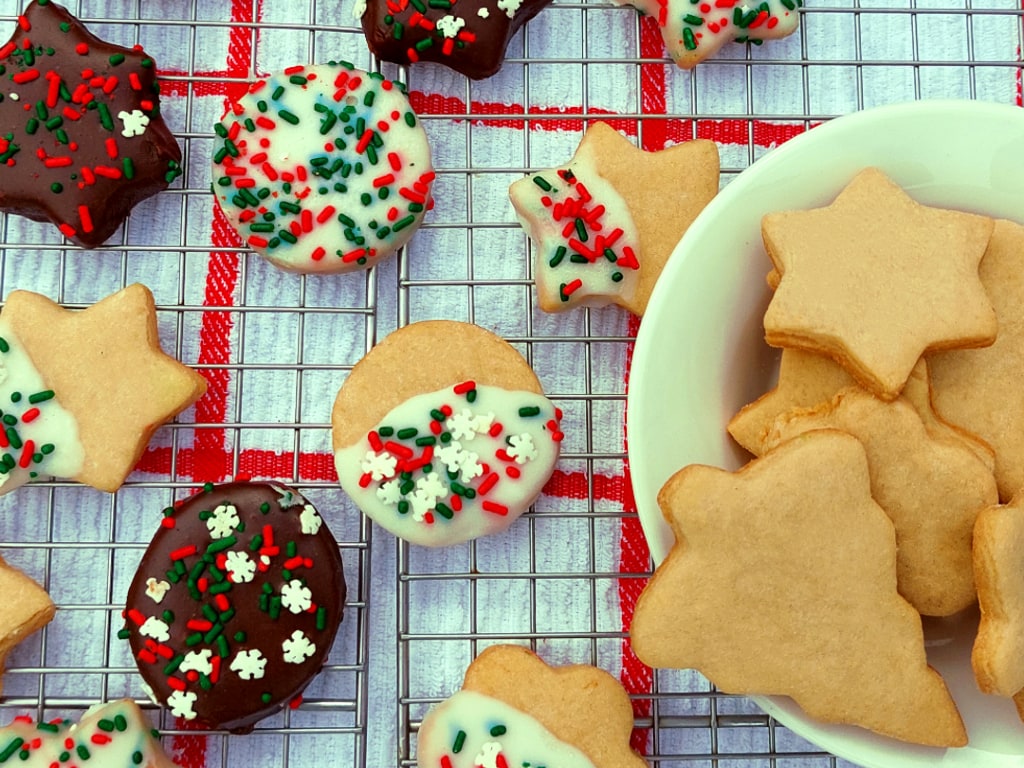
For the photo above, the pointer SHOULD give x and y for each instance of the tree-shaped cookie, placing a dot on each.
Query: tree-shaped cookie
(782, 581)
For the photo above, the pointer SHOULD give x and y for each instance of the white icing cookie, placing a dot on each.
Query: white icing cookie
(451, 465)
(587, 244)
(323, 168)
(471, 730)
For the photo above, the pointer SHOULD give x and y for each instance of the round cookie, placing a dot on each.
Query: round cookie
(442, 433)
(323, 168)
(82, 139)
(235, 604)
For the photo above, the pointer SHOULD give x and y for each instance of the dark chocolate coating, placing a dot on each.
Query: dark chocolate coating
(207, 618)
(477, 51)
(63, 153)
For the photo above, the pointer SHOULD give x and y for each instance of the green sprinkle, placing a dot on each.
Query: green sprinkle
(460, 740)
(13, 746)
(117, 58)
(498, 730)
(38, 397)
(541, 182)
(616, 277)
(4, 346)
(405, 434)
(694, 20)
(444, 511)
(689, 41)
(529, 410)
(288, 117)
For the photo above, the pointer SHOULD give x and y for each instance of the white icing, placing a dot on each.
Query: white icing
(134, 122)
(510, 466)
(524, 741)
(297, 648)
(54, 425)
(109, 749)
(276, 150)
(536, 208)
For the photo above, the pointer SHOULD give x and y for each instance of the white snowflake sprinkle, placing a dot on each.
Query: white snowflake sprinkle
(240, 567)
(449, 26)
(379, 465)
(483, 422)
(483, 13)
(488, 757)
(521, 448)
(222, 521)
(450, 455)
(310, 520)
(431, 484)
(135, 122)
(359, 9)
(297, 648)
(421, 504)
(156, 629)
(197, 661)
(509, 6)
(462, 425)
(470, 467)
(287, 497)
(156, 589)
(390, 492)
(296, 597)
(180, 703)
(249, 664)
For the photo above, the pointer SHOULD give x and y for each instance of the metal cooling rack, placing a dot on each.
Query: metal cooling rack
(83, 546)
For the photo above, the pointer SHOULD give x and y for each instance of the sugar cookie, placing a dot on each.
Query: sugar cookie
(83, 139)
(600, 231)
(456, 445)
(84, 390)
(323, 168)
(515, 710)
(27, 608)
(111, 735)
(235, 604)
(875, 279)
(764, 556)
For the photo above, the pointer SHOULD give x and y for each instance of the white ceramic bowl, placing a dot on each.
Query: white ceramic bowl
(700, 353)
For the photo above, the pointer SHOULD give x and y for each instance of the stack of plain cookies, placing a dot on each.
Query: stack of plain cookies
(883, 453)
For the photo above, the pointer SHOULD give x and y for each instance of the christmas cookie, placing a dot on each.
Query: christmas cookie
(112, 735)
(81, 392)
(784, 563)
(470, 36)
(515, 710)
(26, 608)
(875, 279)
(235, 604)
(442, 433)
(323, 168)
(82, 139)
(599, 225)
(694, 30)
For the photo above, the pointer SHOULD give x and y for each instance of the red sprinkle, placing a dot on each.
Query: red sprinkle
(30, 415)
(494, 507)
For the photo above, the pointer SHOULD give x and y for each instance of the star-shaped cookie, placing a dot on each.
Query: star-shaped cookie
(775, 573)
(977, 389)
(998, 654)
(876, 279)
(694, 30)
(83, 140)
(469, 36)
(604, 225)
(98, 374)
(26, 608)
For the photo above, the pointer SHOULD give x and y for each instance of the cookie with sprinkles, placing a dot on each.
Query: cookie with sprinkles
(604, 225)
(442, 433)
(515, 711)
(469, 36)
(112, 735)
(323, 168)
(81, 137)
(694, 30)
(235, 605)
(83, 391)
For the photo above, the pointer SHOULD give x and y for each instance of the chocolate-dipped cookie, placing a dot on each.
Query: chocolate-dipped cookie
(469, 36)
(235, 604)
(81, 137)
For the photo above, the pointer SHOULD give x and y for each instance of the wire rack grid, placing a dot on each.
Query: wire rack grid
(276, 347)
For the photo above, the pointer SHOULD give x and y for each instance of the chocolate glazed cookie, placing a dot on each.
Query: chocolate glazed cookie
(235, 604)
(469, 36)
(81, 137)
